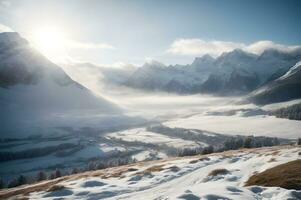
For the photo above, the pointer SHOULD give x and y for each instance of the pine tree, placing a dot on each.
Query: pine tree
(51, 176)
(58, 173)
(248, 142)
(12, 183)
(21, 180)
(2, 185)
(41, 176)
(74, 171)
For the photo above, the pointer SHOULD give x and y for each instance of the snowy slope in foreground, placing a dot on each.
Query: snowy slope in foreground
(180, 178)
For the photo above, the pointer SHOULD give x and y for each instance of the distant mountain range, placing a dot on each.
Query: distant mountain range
(232, 73)
(235, 72)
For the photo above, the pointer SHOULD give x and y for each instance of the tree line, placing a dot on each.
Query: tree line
(291, 112)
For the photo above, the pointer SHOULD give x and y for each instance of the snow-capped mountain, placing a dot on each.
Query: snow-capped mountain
(284, 88)
(233, 72)
(157, 76)
(33, 90)
(203, 64)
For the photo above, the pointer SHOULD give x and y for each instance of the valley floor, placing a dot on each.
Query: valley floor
(212, 177)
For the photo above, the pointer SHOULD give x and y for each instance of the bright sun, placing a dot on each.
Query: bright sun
(50, 41)
(49, 38)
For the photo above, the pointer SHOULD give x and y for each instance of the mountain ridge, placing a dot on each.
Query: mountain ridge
(31, 85)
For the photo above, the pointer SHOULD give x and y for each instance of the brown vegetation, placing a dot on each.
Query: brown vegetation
(174, 168)
(272, 160)
(287, 176)
(204, 159)
(193, 161)
(156, 168)
(56, 188)
(218, 172)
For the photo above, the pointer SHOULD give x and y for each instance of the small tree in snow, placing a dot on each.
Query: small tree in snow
(58, 173)
(51, 176)
(248, 142)
(2, 185)
(21, 180)
(41, 176)
(12, 183)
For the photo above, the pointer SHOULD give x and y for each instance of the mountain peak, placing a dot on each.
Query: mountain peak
(236, 54)
(154, 63)
(204, 59)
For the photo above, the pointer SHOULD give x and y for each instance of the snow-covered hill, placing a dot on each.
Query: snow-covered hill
(47, 119)
(36, 94)
(212, 177)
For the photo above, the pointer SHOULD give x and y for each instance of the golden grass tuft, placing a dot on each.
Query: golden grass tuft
(55, 188)
(155, 168)
(287, 176)
(218, 172)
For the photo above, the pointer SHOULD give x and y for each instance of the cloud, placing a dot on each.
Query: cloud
(83, 45)
(197, 47)
(5, 3)
(200, 47)
(260, 46)
(4, 28)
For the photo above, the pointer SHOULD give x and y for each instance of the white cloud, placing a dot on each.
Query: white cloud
(5, 3)
(84, 45)
(200, 47)
(197, 47)
(4, 28)
(260, 46)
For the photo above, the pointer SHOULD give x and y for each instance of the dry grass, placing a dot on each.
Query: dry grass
(25, 190)
(200, 159)
(132, 169)
(287, 176)
(148, 171)
(218, 172)
(204, 159)
(275, 153)
(193, 161)
(272, 160)
(20, 197)
(156, 168)
(56, 188)
(119, 172)
(174, 168)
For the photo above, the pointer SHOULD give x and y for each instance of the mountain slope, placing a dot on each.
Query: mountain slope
(32, 88)
(285, 88)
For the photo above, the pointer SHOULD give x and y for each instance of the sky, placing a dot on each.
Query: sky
(117, 32)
